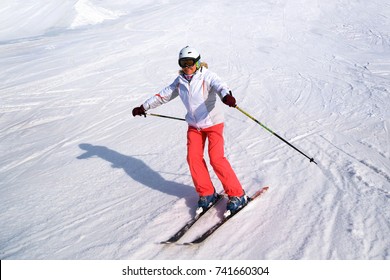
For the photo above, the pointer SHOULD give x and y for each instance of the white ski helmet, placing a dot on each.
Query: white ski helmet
(189, 52)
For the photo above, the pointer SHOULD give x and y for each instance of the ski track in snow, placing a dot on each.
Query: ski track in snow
(82, 179)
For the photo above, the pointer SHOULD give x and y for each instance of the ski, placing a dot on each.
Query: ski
(225, 219)
(179, 234)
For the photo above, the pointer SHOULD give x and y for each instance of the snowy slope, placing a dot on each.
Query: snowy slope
(82, 179)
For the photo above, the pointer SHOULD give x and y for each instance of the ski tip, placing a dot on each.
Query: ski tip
(258, 193)
(262, 190)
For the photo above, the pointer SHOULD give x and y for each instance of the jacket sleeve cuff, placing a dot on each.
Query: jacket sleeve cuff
(146, 106)
(224, 92)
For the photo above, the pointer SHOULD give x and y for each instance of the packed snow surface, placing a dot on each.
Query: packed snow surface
(81, 178)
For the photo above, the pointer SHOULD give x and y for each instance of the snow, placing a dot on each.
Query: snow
(82, 179)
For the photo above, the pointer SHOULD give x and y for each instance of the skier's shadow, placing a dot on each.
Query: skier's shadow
(139, 171)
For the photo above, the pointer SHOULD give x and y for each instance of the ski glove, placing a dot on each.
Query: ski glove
(229, 100)
(139, 111)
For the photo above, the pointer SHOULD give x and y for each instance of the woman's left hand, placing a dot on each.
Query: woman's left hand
(229, 100)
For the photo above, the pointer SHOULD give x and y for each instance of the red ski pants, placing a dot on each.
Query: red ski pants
(196, 140)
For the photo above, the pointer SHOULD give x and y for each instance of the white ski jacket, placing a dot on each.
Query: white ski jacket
(199, 96)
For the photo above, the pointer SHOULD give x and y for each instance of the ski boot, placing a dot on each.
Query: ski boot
(205, 202)
(235, 203)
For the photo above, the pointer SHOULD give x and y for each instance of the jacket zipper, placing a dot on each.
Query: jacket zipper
(189, 104)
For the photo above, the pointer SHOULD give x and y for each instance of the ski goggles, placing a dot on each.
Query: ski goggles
(187, 62)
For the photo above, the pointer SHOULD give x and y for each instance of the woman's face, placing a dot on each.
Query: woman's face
(188, 65)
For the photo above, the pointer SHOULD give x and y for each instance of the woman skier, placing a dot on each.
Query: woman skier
(198, 89)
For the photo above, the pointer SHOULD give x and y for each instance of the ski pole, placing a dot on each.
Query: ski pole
(163, 116)
(275, 134)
